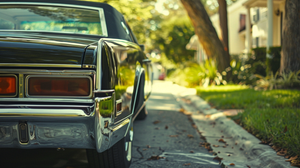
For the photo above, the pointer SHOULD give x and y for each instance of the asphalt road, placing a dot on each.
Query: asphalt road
(166, 138)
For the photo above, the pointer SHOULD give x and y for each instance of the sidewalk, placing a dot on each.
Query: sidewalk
(230, 142)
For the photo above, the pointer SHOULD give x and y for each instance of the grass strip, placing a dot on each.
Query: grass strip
(242, 97)
(269, 115)
(281, 126)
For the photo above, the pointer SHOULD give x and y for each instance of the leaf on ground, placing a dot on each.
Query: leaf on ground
(186, 164)
(173, 135)
(285, 129)
(216, 146)
(166, 127)
(248, 166)
(292, 158)
(181, 110)
(225, 146)
(208, 116)
(222, 140)
(241, 149)
(190, 136)
(155, 157)
(282, 152)
(194, 126)
(295, 163)
(191, 151)
(156, 122)
(231, 164)
(148, 146)
(276, 148)
(218, 159)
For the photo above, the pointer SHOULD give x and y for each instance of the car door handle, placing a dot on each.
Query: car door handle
(146, 60)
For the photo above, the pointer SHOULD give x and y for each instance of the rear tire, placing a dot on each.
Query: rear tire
(118, 156)
(143, 114)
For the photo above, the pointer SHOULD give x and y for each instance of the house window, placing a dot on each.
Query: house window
(242, 22)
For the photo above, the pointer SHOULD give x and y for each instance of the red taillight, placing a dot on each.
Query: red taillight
(58, 86)
(8, 85)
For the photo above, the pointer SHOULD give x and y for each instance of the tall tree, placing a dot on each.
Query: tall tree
(290, 59)
(206, 33)
(223, 24)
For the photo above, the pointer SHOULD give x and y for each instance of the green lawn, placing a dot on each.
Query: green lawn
(242, 97)
(269, 115)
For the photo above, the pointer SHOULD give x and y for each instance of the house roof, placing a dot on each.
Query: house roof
(260, 3)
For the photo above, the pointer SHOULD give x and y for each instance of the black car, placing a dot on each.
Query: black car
(72, 75)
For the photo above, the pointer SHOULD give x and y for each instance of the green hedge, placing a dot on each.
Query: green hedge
(273, 64)
(262, 65)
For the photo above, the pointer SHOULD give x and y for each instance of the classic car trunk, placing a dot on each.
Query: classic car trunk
(38, 48)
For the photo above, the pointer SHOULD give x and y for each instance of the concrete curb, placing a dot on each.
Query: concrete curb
(258, 155)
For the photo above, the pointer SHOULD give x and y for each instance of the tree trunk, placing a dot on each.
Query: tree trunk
(290, 59)
(224, 30)
(223, 24)
(206, 33)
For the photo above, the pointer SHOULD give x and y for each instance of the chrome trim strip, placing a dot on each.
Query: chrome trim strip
(40, 65)
(81, 72)
(121, 120)
(21, 85)
(98, 65)
(102, 20)
(88, 66)
(45, 106)
(47, 100)
(55, 76)
(11, 75)
(42, 112)
(104, 91)
(125, 122)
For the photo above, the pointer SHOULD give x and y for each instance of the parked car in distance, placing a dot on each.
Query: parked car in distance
(72, 75)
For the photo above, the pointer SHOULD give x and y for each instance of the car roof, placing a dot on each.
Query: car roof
(113, 17)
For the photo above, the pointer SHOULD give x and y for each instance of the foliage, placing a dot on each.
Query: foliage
(264, 66)
(273, 64)
(285, 80)
(193, 74)
(242, 97)
(172, 37)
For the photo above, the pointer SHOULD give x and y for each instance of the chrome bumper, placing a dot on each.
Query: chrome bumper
(62, 127)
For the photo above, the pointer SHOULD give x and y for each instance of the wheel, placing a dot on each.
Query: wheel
(118, 156)
(143, 114)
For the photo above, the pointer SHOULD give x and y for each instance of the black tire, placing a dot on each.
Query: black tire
(115, 157)
(143, 114)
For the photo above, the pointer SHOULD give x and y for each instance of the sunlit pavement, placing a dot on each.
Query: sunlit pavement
(166, 138)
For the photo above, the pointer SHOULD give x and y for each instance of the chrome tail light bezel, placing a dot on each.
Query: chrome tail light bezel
(16, 83)
(57, 76)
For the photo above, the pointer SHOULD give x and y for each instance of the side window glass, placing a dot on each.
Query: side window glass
(131, 34)
(125, 28)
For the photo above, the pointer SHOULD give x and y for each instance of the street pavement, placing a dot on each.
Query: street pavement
(166, 138)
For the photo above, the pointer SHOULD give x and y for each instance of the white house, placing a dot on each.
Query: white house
(248, 26)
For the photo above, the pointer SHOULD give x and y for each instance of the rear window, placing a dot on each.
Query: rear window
(52, 19)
